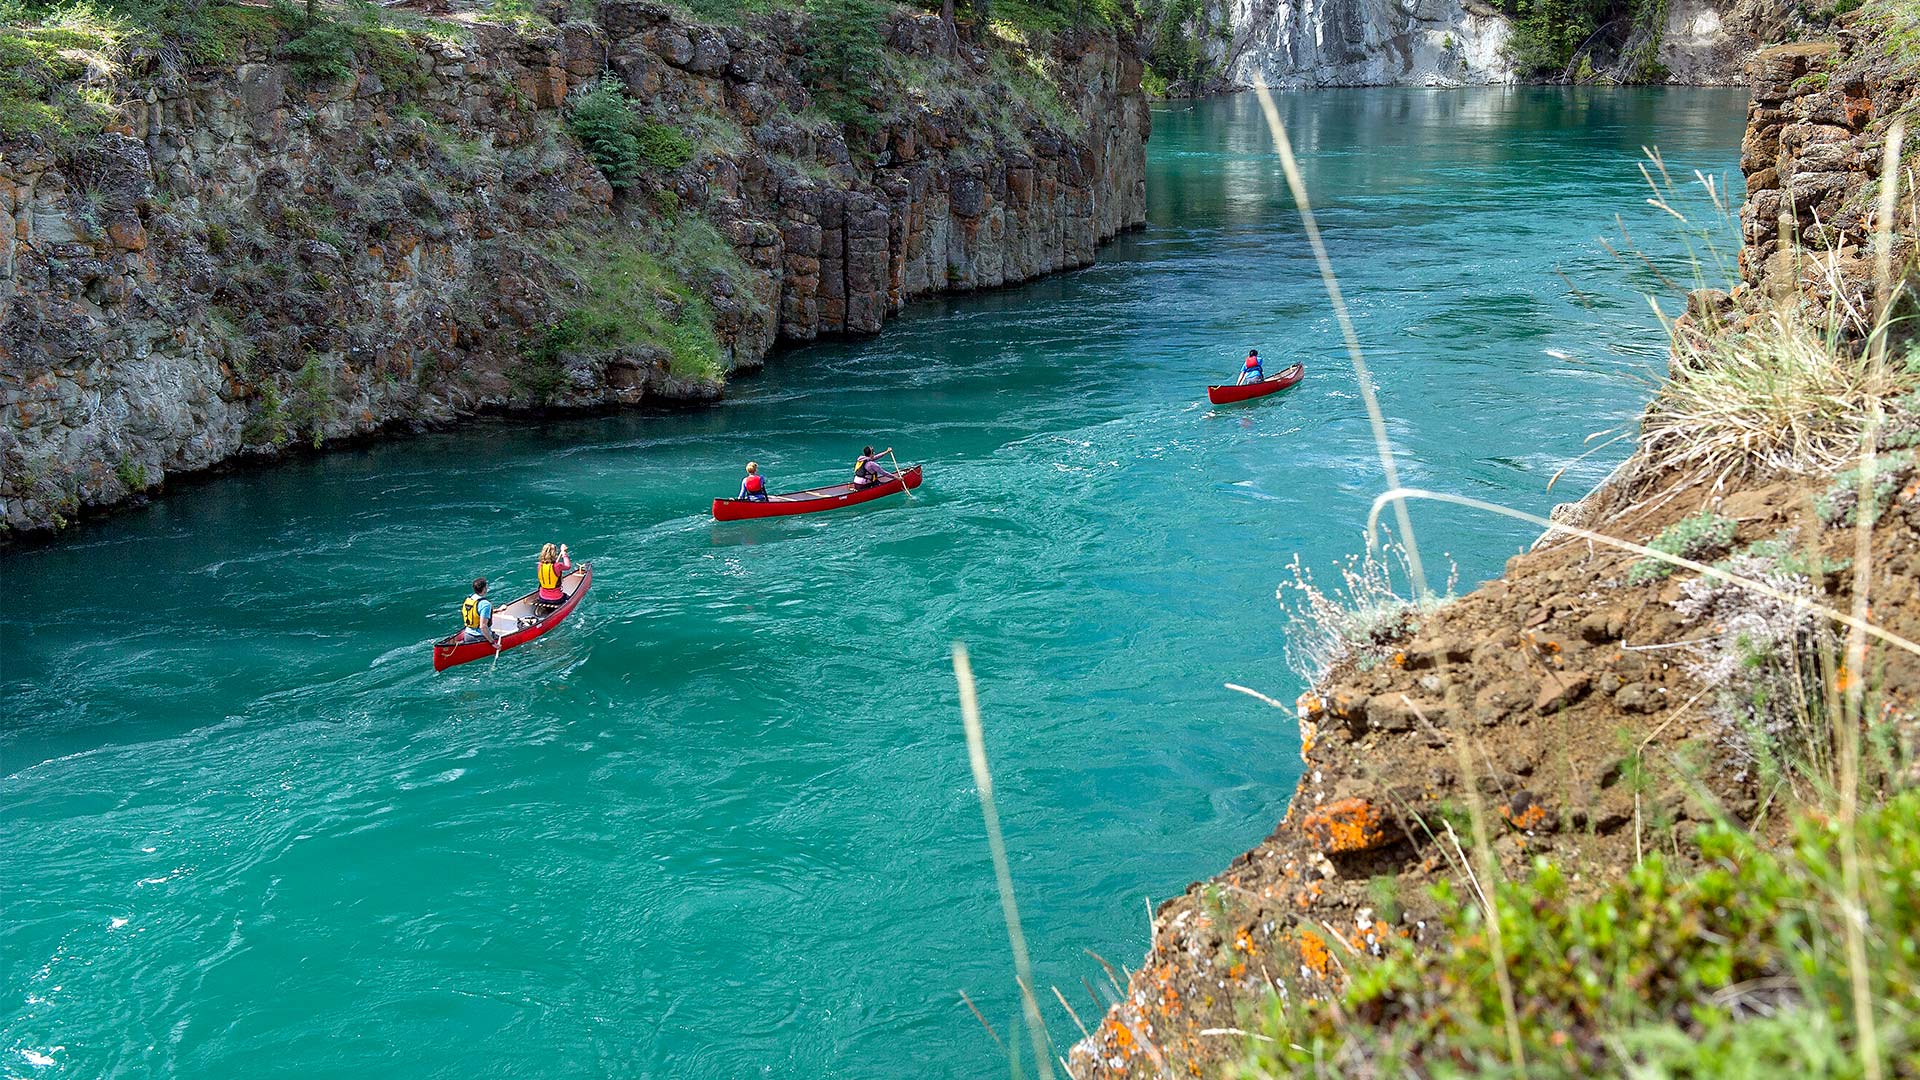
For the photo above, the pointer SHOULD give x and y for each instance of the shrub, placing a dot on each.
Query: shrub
(1697, 537)
(1779, 397)
(542, 372)
(1840, 505)
(312, 404)
(1361, 618)
(602, 119)
(41, 68)
(1176, 55)
(842, 49)
(663, 146)
(1761, 660)
(323, 53)
(1736, 968)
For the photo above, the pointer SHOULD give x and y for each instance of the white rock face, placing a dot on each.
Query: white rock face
(1306, 43)
(1293, 44)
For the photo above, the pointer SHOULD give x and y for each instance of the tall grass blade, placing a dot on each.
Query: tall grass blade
(1298, 187)
(1760, 587)
(983, 780)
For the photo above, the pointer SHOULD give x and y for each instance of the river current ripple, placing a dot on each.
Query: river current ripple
(721, 822)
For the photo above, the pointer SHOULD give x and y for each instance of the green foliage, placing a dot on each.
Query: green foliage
(518, 14)
(1650, 978)
(1546, 32)
(542, 372)
(731, 12)
(636, 293)
(1810, 82)
(1034, 23)
(131, 474)
(312, 404)
(842, 49)
(662, 146)
(1696, 537)
(1840, 505)
(42, 68)
(603, 120)
(266, 425)
(1177, 55)
(324, 53)
(1641, 61)
(1787, 557)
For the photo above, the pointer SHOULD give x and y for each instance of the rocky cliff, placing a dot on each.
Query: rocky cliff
(301, 233)
(1592, 707)
(1312, 43)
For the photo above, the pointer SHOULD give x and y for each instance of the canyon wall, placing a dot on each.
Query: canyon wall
(252, 257)
(1294, 44)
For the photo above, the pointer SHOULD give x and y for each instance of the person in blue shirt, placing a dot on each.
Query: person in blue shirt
(1251, 371)
(752, 487)
(476, 615)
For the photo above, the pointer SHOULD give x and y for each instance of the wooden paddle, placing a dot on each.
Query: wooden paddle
(901, 473)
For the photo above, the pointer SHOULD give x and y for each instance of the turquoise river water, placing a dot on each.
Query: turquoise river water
(721, 823)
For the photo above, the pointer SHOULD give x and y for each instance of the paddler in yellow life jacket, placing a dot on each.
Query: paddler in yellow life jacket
(867, 470)
(476, 614)
(555, 565)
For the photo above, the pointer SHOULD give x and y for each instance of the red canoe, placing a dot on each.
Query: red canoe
(1222, 395)
(514, 623)
(813, 500)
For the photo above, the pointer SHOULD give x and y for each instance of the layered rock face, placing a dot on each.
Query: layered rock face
(1307, 43)
(1816, 134)
(249, 260)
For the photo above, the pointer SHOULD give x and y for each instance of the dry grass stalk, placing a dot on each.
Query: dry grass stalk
(1485, 883)
(1779, 397)
(1854, 674)
(1298, 187)
(983, 780)
(1760, 587)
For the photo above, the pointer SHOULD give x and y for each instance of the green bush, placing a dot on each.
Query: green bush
(1653, 976)
(1840, 505)
(324, 53)
(1697, 537)
(40, 71)
(663, 146)
(1176, 55)
(312, 405)
(842, 49)
(602, 119)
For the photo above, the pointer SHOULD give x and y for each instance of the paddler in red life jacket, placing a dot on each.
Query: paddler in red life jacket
(476, 614)
(867, 470)
(752, 487)
(1251, 371)
(555, 565)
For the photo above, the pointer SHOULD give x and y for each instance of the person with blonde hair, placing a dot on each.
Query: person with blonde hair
(555, 565)
(753, 488)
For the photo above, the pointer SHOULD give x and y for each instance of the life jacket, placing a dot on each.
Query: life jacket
(860, 467)
(549, 575)
(755, 485)
(470, 611)
(1253, 363)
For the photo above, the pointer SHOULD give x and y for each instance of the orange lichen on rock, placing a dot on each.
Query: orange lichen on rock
(1120, 1035)
(1527, 813)
(1346, 825)
(1315, 959)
